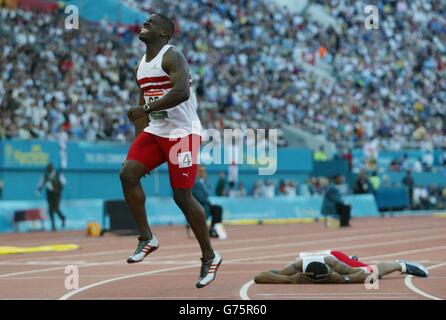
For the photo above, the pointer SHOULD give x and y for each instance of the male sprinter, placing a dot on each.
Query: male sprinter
(334, 267)
(173, 135)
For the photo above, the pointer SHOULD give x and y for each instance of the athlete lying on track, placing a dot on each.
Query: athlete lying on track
(334, 267)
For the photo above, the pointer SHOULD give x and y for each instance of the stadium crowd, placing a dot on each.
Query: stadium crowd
(388, 84)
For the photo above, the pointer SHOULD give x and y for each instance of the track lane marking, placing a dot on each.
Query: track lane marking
(245, 287)
(287, 244)
(72, 293)
(411, 286)
(419, 227)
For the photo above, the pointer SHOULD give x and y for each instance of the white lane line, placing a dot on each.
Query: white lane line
(283, 245)
(333, 294)
(408, 252)
(156, 298)
(70, 294)
(411, 286)
(100, 283)
(368, 298)
(355, 234)
(30, 272)
(244, 289)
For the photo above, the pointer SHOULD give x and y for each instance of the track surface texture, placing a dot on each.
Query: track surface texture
(171, 271)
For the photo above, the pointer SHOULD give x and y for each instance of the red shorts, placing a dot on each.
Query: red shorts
(181, 155)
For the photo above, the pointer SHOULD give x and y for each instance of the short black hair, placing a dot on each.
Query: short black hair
(318, 269)
(167, 23)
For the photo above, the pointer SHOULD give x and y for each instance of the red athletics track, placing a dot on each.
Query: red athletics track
(170, 272)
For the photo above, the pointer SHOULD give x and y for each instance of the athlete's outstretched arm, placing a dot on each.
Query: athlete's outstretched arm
(289, 274)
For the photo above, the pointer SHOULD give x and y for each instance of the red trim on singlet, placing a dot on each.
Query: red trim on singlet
(347, 260)
(161, 87)
(153, 80)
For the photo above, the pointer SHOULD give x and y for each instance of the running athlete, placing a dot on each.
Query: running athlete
(334, 267)
(167, 129)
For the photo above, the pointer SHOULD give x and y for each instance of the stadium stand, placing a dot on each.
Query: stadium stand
(405, 111)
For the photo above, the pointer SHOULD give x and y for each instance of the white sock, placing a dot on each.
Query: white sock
(403, 267)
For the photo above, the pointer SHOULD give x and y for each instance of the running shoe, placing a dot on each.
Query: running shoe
(208, 270)
(413, 268)
(144, 248)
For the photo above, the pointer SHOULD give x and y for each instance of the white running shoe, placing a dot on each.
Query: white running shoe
(413, 268)
(145, 247)
(208, 270)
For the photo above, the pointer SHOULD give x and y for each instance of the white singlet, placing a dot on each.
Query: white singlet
(308, 257)
(177, 122)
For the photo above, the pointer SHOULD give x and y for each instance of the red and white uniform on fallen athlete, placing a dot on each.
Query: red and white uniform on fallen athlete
(318, 256)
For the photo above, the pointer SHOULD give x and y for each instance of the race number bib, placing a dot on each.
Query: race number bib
(185, 159)
(153, 96)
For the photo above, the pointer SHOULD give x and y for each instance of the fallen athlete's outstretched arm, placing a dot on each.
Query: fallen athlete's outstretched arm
(290, 274)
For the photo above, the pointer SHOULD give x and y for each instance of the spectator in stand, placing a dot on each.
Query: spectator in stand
(404, 163)
(375, 181)
(320, 154)
(387, 86)
(305, 189)
(269, 189)
(394, 165)
(362, 184)
(409, 182)
(215, 212)
(282, 187)
(420, 198)
(238, 191)
(220, 189)
(442, 157)
(428, 160)
(257, 190)
(290, 189)
(417, 166)
(348, 156)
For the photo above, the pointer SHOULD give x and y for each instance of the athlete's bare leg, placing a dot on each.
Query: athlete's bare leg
(195, 216)
(130, 175)
(388, 267)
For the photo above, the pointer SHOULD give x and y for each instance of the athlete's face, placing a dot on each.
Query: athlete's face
(151, 29)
